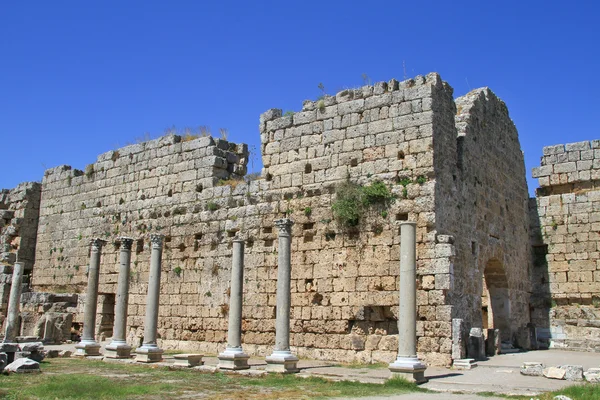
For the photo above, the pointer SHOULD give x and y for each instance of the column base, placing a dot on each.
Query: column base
(409, 368)
(117, 349)
(464, 363)
(233, 358)
(283, 362)
(87, 348)
(148, 354)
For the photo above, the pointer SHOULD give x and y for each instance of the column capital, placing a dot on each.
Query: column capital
(285, 226)
(97, 244)
(126, 242)
(400, 223)
(157, 240)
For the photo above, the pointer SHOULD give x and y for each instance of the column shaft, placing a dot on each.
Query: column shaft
(88, 345)
(233, 357)
(150, 352)
(407, 329)
(282, 322)
(282, 359)
(234, 334)
(407, 365)
(12, 319)
(118, 347)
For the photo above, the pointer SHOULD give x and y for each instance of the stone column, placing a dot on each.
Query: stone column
(12, 318)
(88, 345)
(407, 365)
(118, 347)
(150, 352)
(282, 359)
(234, 357)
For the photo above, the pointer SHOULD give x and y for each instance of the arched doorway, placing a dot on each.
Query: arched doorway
(495, 300)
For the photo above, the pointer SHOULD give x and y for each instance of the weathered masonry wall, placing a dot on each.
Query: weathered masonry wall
(485, 209)
(566, 220)
(19, 210)
(344, 279)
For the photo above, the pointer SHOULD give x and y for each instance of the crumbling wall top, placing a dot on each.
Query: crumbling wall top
(567, 164)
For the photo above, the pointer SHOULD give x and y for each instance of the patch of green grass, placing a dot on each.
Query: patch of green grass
(86, 379)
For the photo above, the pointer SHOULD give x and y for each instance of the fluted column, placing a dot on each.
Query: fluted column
(234, 357)
(12, 319)
(88, 345)
(407, 365)
(118, 347)
(150, 352)
(282, 359)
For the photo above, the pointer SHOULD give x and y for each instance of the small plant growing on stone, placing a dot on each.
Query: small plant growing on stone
(177, 270)
(208, 294)
(288, 114)
(307, 211)
(352, 200)
(421, 179)
(554, 224)
(89, 171)
(224, 309)
(377, 192)
(384, 214)
(224, 133)
(348, 206)
(212, 206)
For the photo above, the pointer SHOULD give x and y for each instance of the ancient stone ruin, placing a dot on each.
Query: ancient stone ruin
(495, 270)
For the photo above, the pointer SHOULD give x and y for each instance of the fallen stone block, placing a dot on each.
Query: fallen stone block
(554, 373)
(562, 397)
(464, 364)
(9, 347)
(592, 375)
(65, 353)
(23, 365)
(33, 346)
(532, 369)
(33, 355)
(188, 360)
(573, 372)
(54, 353)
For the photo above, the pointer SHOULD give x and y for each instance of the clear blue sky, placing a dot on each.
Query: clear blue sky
(78, 78)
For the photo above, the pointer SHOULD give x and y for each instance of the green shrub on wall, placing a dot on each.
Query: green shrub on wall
(353, 200)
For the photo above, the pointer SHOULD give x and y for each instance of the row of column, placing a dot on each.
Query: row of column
(407, 365)
(118, 347)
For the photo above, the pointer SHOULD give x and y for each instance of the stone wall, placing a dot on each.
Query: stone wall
(19, 210)
(344, 278)
(485, 208)
(566, 221)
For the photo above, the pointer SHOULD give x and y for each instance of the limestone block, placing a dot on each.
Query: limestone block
(572, 372)
(532, 369)
(554, 373)
(592, 375)
(23, 365)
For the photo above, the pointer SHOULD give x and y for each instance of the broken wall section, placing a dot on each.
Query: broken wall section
(19, 213)
(132, 191)
(566, 219)
(484, 206)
